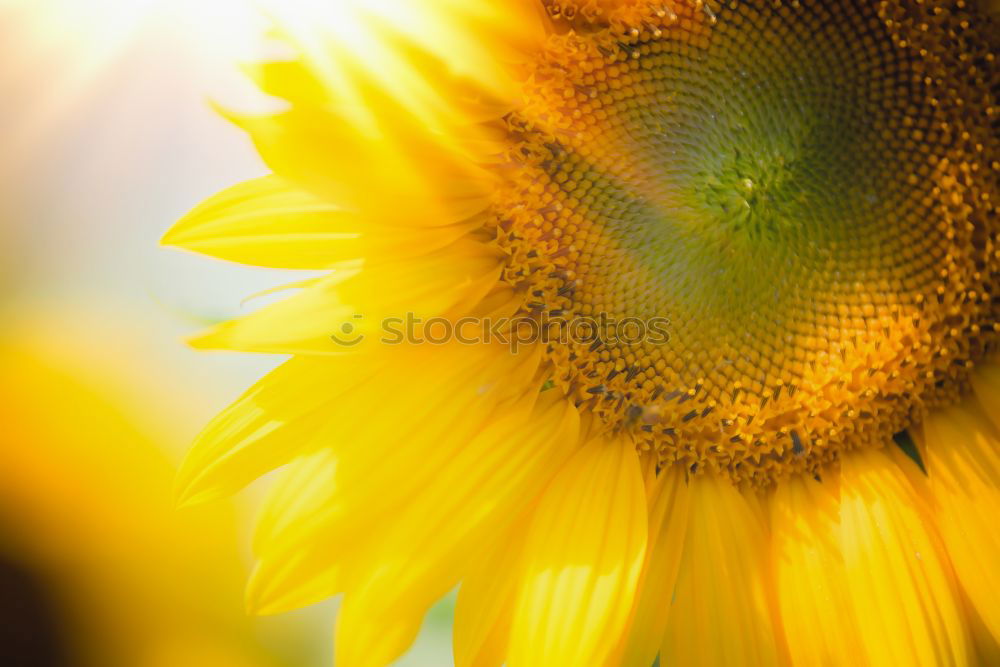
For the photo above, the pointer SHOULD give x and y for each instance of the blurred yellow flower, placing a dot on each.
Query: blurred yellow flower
(96, 565)
(628, 303)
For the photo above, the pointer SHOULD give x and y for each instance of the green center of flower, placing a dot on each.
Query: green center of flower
(803, 190)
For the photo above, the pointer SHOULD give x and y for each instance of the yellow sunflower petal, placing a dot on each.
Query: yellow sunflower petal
(899, 582)
(382, 464)
(720, 614)
(460, 107)
(486, 601)
(583, 555)
(471, 492)
(401, 176)
(962, 455)
(266, 427)
(384, 633)
(810, 575)
(985, 644)
(362, 45)
(304, 488)
(372, 306)
(270, 222)
(669, 498)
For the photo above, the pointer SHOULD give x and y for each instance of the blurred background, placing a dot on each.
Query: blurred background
(106, 138)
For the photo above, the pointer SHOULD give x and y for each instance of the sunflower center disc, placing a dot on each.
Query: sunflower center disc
(802, 191)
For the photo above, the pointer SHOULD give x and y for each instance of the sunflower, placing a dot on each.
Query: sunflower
(663, 329)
